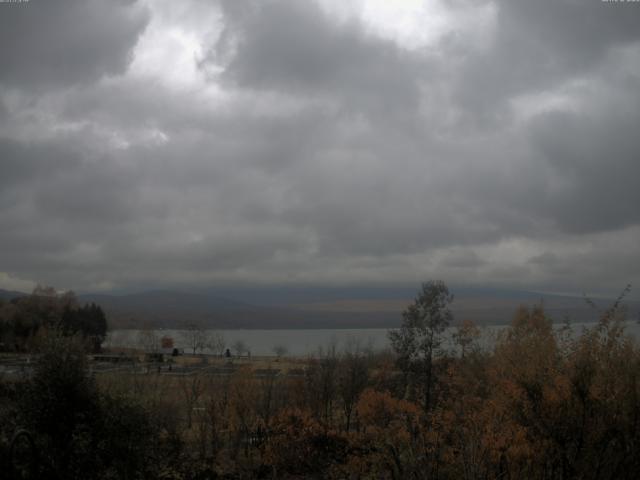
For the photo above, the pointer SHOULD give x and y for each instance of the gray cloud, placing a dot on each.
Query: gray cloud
(290, 46)
(24, 162)
(463, 259)
(46, 44)
(305, 149)
(536, 46)
(595, 161)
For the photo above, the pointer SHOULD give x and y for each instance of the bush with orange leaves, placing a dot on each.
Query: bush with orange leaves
(384, 445)
(380, 411)
(298, 445)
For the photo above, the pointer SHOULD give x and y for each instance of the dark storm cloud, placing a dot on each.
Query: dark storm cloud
(579, 32)
(55, 201)
(26, 162)
(538, 45)
(463, 259)
(89, 194)
(293, 46)
(48, 43)
(596, 162)
(303, 148)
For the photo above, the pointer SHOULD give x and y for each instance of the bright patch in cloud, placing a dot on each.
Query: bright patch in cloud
(9, 282)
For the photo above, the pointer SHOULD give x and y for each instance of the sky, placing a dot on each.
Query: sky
(198, 143)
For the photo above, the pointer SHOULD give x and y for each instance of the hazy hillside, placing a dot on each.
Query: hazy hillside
(320, 308)
(9, 294)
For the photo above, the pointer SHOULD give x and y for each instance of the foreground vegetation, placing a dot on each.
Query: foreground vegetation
(542, 404)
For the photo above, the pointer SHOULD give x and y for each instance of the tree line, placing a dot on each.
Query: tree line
(542, 403)
(25, 320)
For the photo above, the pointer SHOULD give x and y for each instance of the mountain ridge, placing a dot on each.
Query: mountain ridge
(323, 308)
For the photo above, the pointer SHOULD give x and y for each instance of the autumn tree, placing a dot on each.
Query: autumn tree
(79, 431)
(217, 343)
(353, 377)
(417, 342)
(240, 347)
(388, 445)
(26, 318)
(321, 384)
(166, 342)
(243, 402)
(88, 320)
(198, 338)
(216, 411)
(148, 340)
(301, 447)
(192, 387)
(280, 351)
(465, 336)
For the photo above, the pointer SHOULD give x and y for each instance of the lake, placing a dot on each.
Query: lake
(309, 342)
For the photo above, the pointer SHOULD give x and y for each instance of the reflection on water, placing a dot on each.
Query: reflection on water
(309, 342)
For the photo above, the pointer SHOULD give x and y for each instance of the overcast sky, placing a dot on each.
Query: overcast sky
(193, 143)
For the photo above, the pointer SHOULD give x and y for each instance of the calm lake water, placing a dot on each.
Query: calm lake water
(309, 342)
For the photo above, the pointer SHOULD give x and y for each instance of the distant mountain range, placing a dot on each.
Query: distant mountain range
(320, 308)
(9, 294)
